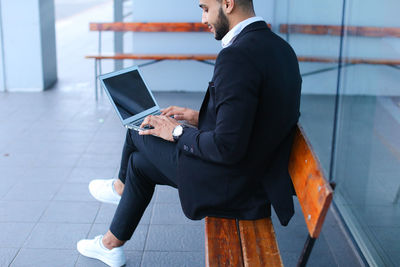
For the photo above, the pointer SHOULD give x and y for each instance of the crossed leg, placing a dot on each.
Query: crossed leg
(146, 161)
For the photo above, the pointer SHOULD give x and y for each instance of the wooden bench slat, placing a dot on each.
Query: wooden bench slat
(313, 191)
(214, 56)
(150, 27)
(259, 243)
(349, 60)
(222, 243)
(336, 30)
(156, 56)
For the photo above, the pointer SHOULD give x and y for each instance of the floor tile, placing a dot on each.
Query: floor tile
(57, 235)
(11, 174)
(388, 237)
(32, 191)
(74, 192)
(89, 262)
(18, 160)
(61, 148)
(133, 259)
(290, 258)
(171, 214)
(175, 238)
(106, 214)
(21, 211)
(71, 212)
(6, 185)
(136, 243)
(71, 136)
(99, 160)
(115, 137)
(113, 149)
(395, 256)
(7, 255)
(86, 174)
(24, 147)
(45, 258)
(167, 194)
(46, 174)
(173, 258)
(13, 235)
(48, 159)
(321, 255)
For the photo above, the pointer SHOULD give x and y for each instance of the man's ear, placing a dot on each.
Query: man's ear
(228, 5)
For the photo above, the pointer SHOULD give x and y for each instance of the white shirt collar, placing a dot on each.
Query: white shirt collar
(234, 32)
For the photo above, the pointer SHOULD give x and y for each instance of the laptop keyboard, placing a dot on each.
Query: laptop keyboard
(137, 123)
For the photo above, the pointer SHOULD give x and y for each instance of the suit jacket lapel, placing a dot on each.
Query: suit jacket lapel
(204, 104)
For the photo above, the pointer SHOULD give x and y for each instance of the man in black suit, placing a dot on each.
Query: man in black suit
(234, 162)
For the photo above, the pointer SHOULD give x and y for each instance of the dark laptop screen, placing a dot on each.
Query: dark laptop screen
(129, 93)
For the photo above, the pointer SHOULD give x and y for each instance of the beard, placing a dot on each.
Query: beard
(222, 25)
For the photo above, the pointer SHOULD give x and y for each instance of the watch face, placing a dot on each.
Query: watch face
(178, 130)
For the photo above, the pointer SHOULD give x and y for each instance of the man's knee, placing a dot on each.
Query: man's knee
(138, 169)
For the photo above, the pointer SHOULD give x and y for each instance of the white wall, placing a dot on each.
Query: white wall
(28, 44)
(2, 81)
(48, 42)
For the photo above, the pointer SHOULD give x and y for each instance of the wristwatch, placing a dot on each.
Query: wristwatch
(177, 132)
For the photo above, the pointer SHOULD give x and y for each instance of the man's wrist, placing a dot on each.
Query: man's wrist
(177, 132)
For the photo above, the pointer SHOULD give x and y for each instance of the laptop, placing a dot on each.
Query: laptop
(130, 96)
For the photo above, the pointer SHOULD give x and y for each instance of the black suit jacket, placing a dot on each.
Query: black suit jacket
(236, 162)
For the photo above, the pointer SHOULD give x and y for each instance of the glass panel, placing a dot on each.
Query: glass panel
(319, 78)
(367, 169)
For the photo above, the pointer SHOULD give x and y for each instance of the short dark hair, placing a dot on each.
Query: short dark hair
(246, 4)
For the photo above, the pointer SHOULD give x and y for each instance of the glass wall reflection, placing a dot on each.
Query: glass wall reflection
(366, 86)
(367, 169)
(297, 21)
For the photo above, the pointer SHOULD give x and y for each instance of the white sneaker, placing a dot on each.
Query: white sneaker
(104, 191)
(94, 248)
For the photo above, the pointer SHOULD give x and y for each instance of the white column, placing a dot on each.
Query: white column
(2, 79)
(28, 45)
(118, 36)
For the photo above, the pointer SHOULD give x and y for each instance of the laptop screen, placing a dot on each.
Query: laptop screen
(129, 93)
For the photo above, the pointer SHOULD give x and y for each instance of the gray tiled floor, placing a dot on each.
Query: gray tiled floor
(45, 207)
(53, 143)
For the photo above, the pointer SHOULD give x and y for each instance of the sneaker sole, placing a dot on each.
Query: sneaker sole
(98, 256)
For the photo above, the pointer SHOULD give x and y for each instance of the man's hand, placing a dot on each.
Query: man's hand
(163, 126)
(187, 114)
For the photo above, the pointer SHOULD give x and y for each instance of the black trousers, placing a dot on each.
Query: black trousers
(146, 161)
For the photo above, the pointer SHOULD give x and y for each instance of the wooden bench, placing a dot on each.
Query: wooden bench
(333, 30)
(181, 27)
(231, 242)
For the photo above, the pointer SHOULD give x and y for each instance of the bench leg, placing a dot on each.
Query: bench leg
(100, 72)
(305, 254)
(397, 197)
(95, 79)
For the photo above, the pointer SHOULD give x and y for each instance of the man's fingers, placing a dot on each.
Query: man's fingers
(149, 120)
(178, 117)
(168, 110)
(172, 110)
(147, 132)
